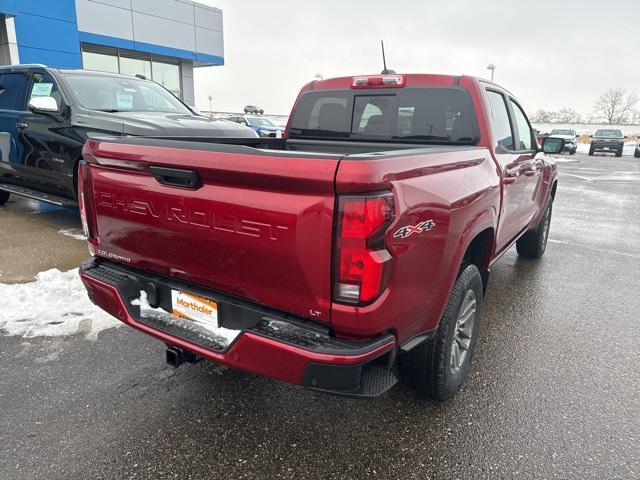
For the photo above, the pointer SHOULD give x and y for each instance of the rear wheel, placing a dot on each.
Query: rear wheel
(534, 243)
(437, 368)
(637, 153)
(4, 196)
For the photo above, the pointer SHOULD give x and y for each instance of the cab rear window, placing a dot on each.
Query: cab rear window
(434, 115)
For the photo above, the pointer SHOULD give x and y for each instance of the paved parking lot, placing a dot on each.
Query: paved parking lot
(553, 391)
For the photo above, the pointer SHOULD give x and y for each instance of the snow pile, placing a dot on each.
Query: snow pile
(220, 335)
(56, 304)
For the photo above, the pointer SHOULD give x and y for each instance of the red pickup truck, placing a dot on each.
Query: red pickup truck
(352, 251)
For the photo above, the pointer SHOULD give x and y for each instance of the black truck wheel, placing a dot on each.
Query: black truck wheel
(437, 368)
(619, 153)
(534, 243)
(591, 152)
(4, 196)
(637, 153)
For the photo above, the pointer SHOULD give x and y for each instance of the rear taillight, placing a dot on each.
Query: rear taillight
(361, 259)
(378, 81)
(83, 200)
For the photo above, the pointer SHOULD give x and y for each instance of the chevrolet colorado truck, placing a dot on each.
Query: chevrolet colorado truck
(354, 251)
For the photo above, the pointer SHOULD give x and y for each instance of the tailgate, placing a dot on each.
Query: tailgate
(257, 224)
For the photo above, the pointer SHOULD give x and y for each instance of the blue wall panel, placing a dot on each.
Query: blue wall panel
(47, 32)
(57, 9)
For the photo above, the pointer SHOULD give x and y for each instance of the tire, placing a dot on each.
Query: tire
(573, 152)
(430, 368)
(4, 196)
(619, 153)
(636, 154)
(591, 152)
(534, 243)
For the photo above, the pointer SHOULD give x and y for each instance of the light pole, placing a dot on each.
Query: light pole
(491, 67)
(210, 107)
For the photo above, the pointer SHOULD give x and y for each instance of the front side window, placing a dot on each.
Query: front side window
(524, 130)
(500, 116)
(12, 91)
(43, 85)
(117, 94)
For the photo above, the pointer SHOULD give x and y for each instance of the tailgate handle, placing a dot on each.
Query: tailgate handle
(176, 177)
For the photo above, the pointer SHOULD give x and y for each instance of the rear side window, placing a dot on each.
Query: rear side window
(524, 130)
(500, 116)
(438, 115)
(13, 87)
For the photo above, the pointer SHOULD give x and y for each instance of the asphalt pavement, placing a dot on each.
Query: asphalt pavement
(554, 390)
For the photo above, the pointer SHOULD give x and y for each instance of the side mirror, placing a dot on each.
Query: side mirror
(43, 105)
(552, 145)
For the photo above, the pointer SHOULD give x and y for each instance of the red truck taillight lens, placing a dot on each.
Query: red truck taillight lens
(360, 254)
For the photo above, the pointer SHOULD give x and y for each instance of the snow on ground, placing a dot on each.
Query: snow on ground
(56, 304)
(220, 335)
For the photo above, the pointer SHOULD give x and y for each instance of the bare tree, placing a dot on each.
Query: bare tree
(568, 115)
(615, 105)
(543, 116)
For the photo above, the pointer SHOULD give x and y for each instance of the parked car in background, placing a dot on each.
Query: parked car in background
(47, 114)
(262, 126)
(357, 248)
(570, 139)
(253, 109)
(607, 141)
(636, 153)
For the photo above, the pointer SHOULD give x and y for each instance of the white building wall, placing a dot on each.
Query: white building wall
(181, 24)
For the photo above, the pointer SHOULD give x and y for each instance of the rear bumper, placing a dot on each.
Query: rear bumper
(297, 351)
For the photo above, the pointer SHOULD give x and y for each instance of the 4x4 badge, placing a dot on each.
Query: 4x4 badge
(404, 232)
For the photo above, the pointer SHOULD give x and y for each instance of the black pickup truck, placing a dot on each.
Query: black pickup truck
(46, 115)
(607, 141)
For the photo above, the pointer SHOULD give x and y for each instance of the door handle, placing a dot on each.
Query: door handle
(22, 125)
(176, 177)
(509, 180)
(529, 173)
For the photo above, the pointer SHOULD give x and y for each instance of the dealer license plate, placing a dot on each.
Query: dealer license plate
(193, 307)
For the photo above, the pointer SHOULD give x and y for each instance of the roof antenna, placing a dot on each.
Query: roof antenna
(384, 61)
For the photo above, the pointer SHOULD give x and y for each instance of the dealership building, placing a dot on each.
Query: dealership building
(163, 40)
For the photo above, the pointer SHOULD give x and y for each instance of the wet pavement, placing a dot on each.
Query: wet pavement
(554, 390)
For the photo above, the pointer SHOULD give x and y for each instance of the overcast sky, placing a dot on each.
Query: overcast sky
(549, 53)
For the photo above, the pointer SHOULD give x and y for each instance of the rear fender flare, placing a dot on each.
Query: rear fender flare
(486, 219)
